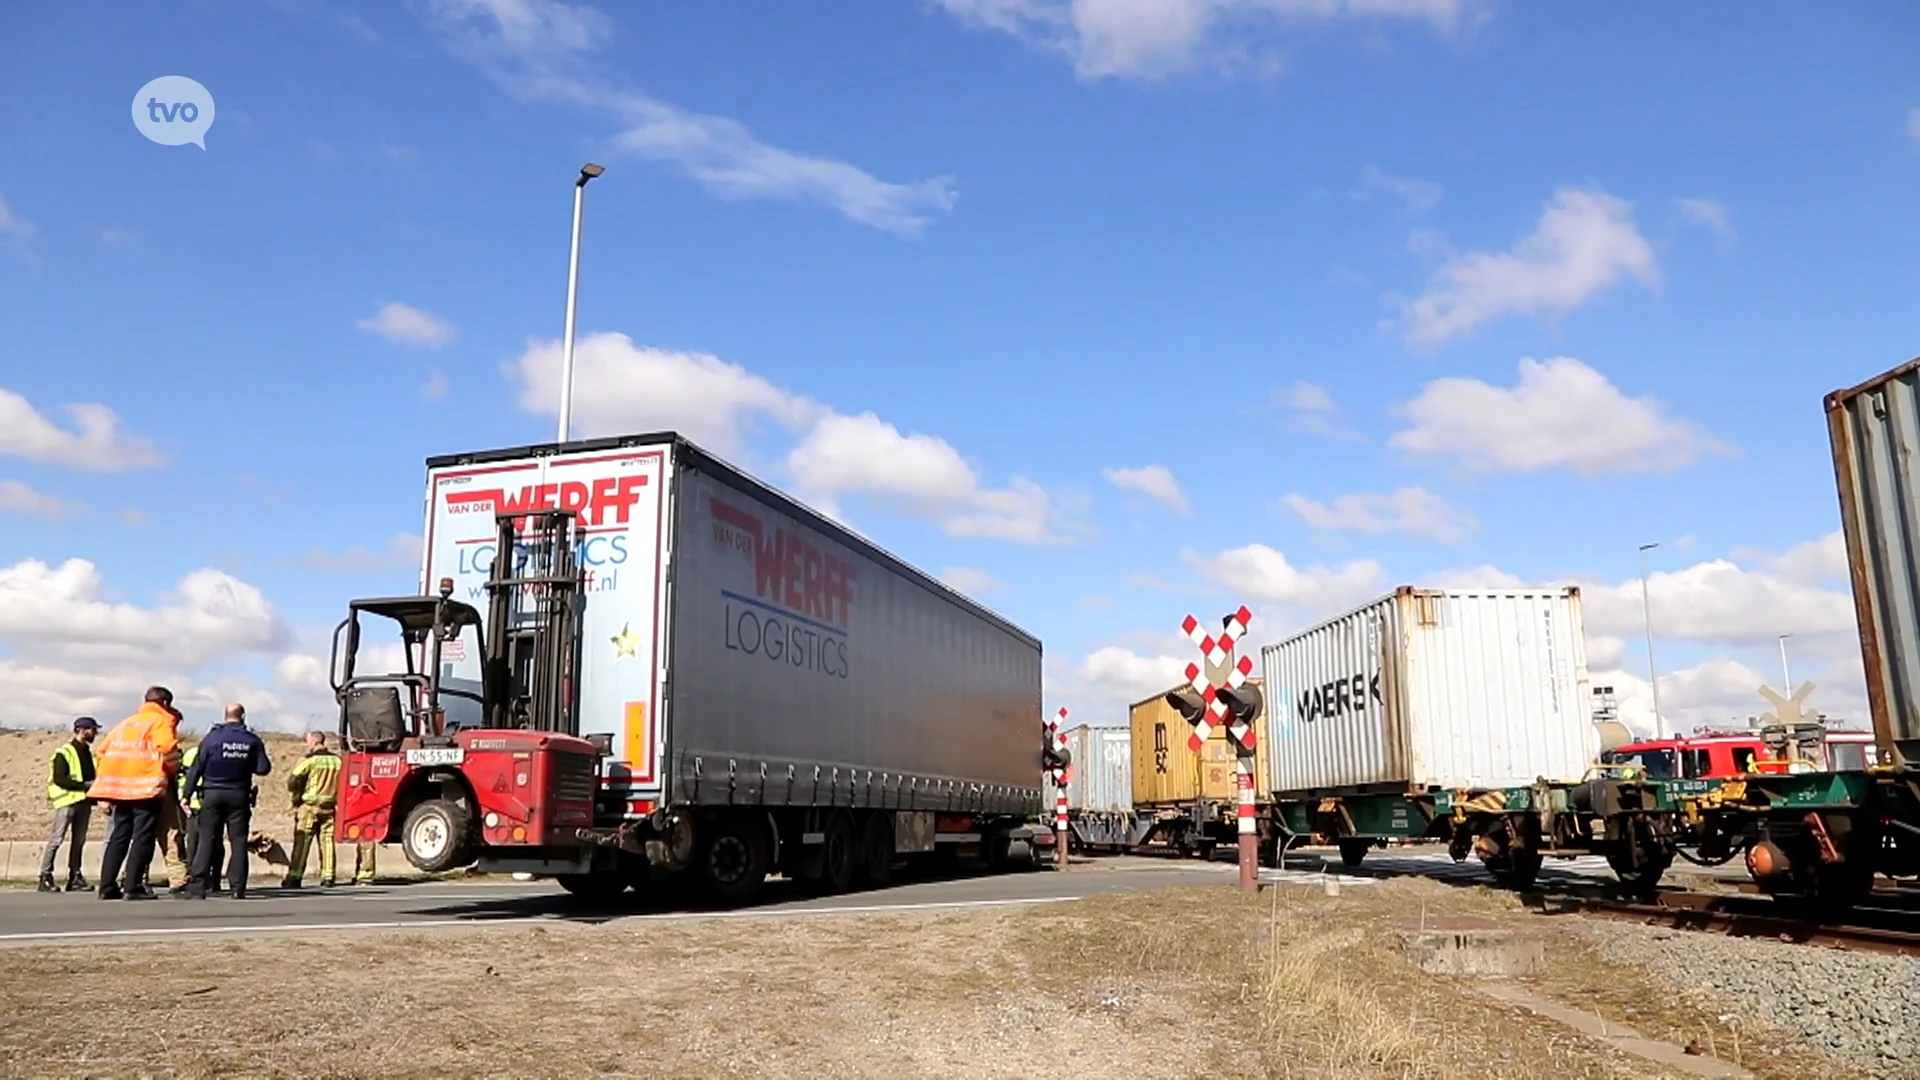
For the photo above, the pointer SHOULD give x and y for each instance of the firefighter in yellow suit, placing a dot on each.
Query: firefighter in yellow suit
(314, 783)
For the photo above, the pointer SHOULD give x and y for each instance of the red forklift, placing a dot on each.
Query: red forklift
(491, 773)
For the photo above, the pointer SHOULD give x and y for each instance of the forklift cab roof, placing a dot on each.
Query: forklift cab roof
(415, 614)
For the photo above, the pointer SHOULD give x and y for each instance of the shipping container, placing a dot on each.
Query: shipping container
(1101, 777)
(1166, 771)
(1429, 689)
(742, 649)
(1874, 429)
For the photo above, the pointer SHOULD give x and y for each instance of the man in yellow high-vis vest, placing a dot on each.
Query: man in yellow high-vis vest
(69, 774)
(190, 805)
(314, 783)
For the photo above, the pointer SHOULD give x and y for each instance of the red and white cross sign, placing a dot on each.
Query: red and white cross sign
(1218, 652)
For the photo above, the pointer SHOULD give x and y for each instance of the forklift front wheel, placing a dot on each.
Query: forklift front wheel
(437, 836)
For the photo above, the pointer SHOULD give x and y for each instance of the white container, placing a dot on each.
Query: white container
(1426, 689)
(1101, 776)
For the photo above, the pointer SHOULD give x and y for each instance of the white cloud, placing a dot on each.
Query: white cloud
(975, 583)
(47, 610)
(1411, 510)
(1257, 573)
(133, 516)
(400, 552)
(408, 325)
(1131, 676)
(18, 498)
(621, 387)
(1155, 481)
(1585, 243)
(920, 475)
(70, 646)
(436, 386)
(1303, 397)
(1561, 414)
(1418, 195)
(407, 157)
(528, 47)
(95, 442)
(1913, 122)
(1722, 603)
(11, 222)
(1159, 39)
(1815, 561)
(1708, 212)
(1311, 408)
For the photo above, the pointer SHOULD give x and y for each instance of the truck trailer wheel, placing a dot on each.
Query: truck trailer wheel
(733, 857)
(438, 836)
(875, 858)
(837, 853)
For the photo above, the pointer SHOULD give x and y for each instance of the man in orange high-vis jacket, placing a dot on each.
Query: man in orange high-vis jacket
(134, 766)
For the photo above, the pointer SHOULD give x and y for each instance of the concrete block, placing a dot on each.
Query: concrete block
(1473, 948)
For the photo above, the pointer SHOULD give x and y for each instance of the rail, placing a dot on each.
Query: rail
(1877, 930)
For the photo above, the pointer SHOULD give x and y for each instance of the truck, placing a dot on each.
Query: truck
(632, 661)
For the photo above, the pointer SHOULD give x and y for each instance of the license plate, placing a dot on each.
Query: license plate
(436, 755)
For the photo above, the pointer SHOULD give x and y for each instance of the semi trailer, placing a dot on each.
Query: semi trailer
(631, 660)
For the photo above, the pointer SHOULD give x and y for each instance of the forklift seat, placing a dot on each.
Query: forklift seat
(374, 718)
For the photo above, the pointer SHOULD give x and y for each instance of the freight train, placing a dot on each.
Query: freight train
(1462, 716)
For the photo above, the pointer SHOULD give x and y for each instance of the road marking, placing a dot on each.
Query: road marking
(663, 916)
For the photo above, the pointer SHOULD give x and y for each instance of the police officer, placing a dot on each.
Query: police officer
(222, 779)
(69, 774)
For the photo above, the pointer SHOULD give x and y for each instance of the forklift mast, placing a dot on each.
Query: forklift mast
(534, 608)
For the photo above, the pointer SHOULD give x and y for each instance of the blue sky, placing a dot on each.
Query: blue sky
(1395, 291)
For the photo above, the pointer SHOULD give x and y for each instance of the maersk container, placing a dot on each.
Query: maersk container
(1429, 689)
(1101, 777)
(740, 649)
(1875, 433)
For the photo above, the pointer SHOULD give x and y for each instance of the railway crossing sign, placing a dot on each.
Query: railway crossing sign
(1059, 767)
(1221, 670)
(1225, 700)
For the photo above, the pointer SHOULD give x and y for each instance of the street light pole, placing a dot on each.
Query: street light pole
(587, 172)
(1784, 673)
(1653, 667)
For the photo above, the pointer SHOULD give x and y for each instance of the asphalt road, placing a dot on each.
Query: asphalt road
(39, 919)
(29, 918)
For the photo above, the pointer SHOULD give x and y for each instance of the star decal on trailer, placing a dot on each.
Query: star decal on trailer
(625, 642)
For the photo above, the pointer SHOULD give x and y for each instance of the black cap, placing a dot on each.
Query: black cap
(86, 723)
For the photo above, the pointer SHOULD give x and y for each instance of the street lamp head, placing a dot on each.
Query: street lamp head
(1649, 547)
(588, 172)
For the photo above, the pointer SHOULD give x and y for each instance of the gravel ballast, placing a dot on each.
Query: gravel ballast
(1862, 1008)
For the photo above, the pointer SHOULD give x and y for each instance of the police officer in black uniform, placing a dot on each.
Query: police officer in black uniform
(222, 775)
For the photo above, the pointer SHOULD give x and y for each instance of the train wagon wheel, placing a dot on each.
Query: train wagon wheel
(1515, 868)
(1354, 851)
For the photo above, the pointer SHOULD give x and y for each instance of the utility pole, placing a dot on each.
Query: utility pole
(1653, 667)
(1787, 687)
(587, 172)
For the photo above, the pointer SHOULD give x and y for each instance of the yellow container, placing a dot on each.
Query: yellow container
(1166, 771)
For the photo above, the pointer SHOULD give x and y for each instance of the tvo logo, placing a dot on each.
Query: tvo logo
(174, 110)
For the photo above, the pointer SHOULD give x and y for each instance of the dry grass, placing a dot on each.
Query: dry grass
(1172, 983)
(23, 783)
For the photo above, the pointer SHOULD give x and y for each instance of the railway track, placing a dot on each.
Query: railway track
(1871, 929)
